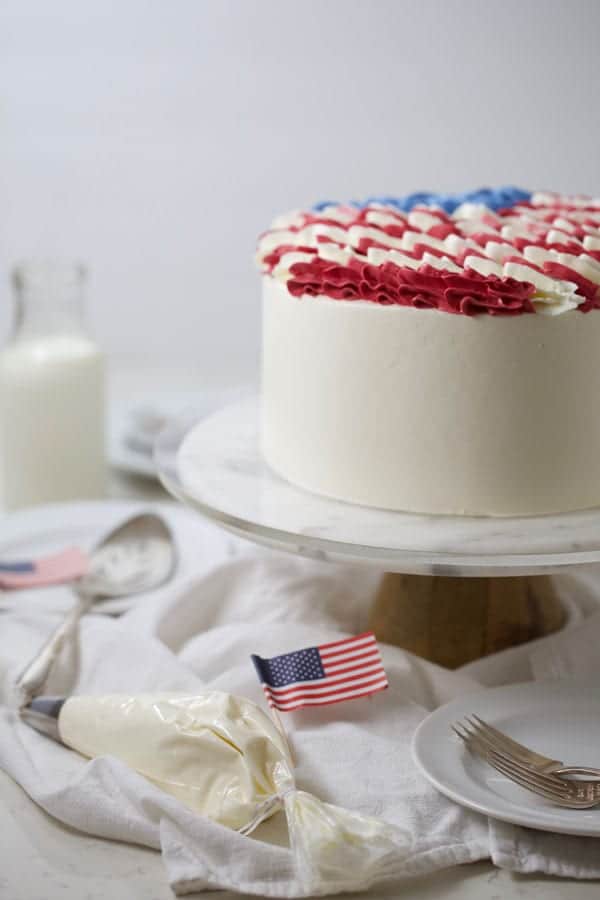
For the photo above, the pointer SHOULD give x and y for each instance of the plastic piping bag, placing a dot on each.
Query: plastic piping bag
(220, 755)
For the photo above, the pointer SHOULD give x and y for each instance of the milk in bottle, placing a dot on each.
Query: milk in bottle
(51, 393)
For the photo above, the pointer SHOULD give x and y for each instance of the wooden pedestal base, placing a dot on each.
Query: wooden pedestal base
(452, 621)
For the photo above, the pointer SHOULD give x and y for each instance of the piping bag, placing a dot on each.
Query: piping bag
(220, 755)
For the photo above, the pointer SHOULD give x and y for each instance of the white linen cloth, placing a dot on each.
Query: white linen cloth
(230, 600)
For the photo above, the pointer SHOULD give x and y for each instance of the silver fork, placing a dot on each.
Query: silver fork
(570, 794)
(521, 753)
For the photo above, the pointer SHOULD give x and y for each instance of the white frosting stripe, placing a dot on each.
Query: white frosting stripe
(521, 244)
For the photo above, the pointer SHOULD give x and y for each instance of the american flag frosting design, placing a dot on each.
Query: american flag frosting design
(502, 251)
(324, 674)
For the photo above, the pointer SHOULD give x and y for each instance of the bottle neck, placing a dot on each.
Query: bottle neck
(48, 300)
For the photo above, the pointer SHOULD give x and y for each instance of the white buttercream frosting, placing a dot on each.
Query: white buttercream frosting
(220, 755)
(525, 243)
(215, 752)
(407, 409)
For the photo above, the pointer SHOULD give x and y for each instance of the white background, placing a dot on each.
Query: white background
(155, 139)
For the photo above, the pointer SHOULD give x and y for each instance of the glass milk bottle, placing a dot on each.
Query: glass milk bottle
(51, 392)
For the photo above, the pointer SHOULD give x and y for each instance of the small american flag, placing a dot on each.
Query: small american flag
(316, 676)
(65, 566)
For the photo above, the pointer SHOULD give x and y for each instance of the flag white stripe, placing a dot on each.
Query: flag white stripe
(324, 684)
(354, 659)
(293, 703)
(370, 667)
(346, 642)
(321, 699)
(367, 661)
(350, 647)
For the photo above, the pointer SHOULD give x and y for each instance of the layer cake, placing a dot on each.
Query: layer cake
(436, 353)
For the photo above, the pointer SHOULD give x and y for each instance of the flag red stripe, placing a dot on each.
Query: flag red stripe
(318, 701)
(355, 648)
(351, 658)
(351, 647)
(328, 693)
(340, 658)
(304, 704)
(301, 687)
(365, 666)
(356, 637)
(353, 668)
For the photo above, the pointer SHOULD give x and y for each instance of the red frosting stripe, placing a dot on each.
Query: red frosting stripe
(384, 255)
(466, 294)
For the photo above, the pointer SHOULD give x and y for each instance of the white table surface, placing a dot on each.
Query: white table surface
(40, 859)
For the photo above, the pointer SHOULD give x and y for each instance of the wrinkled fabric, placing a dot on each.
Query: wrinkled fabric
(229, 600)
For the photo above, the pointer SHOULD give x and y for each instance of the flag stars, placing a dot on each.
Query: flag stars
(303, 665)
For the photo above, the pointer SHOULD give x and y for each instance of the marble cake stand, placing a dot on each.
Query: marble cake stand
(455, 588)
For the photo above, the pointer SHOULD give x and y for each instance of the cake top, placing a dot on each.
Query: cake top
(502, 251)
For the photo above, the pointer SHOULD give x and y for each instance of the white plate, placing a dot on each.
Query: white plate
(125, 457)
(561, 719)
(42, 530)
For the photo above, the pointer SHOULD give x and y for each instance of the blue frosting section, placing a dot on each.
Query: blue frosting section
(493, 198)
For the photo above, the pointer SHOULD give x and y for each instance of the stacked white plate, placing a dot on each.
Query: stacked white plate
(560, 719)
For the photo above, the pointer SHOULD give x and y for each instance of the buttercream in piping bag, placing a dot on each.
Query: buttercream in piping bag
(220, 755)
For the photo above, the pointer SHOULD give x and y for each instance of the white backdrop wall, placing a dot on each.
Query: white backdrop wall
(155, 139)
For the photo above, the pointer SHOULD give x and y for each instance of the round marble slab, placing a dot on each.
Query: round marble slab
(216, 467)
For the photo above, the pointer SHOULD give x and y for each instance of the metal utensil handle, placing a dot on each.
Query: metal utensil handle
(33, 678)
(577, 770)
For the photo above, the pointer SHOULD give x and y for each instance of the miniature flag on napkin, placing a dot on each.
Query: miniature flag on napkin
(329, 673)
(65, 566)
